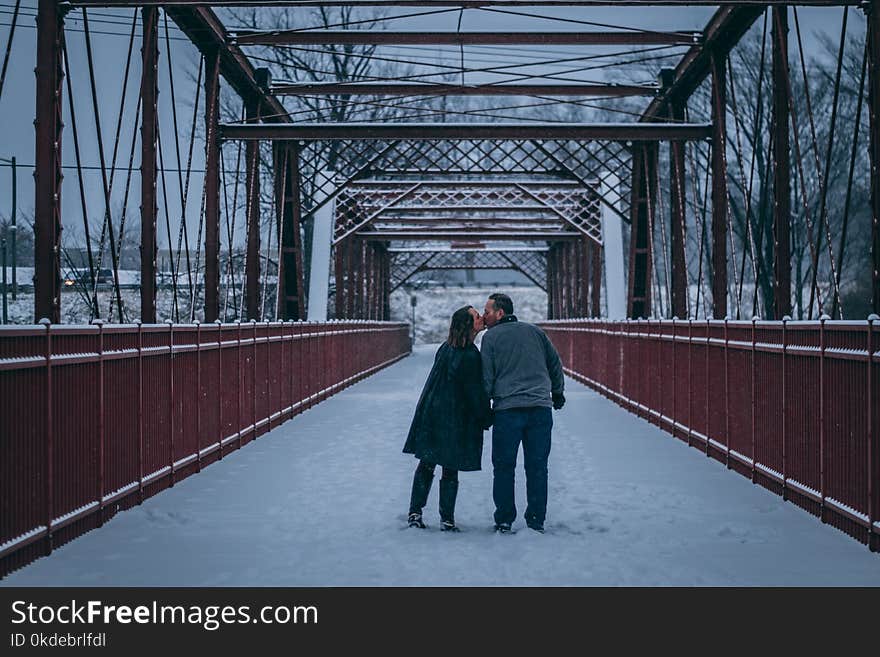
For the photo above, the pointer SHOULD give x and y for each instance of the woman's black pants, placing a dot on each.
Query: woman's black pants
(422, 486)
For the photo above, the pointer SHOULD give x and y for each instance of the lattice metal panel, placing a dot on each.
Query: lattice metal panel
(586, 162)
(404, 265)
(357, 205)
(467, 157)
(531, 263)
(597, 162)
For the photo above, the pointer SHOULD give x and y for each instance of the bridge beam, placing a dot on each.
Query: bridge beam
(781, 163)
(205, 30)
(47, 170)
(149, 134)
(576, 131)
(723, 31)
(371, 37)
(436, 89)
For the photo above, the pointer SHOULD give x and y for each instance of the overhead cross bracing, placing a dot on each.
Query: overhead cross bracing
(362, 207)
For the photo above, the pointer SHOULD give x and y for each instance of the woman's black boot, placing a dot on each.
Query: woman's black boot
(448, 493)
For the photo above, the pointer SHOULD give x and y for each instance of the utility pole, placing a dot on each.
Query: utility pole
(413, 301)
(14, 229)
(3, 255)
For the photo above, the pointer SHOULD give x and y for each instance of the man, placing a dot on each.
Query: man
(523, 377)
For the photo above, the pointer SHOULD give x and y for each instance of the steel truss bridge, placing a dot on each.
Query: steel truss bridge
(631, 226)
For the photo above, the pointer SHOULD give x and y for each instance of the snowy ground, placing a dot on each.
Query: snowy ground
(322, 501)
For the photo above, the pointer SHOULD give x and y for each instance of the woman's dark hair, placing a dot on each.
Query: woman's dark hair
(461, 327)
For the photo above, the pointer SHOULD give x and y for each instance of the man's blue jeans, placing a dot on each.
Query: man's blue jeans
(531, 427)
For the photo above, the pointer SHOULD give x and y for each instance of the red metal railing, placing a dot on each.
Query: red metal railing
(93, 419)
(792, 405)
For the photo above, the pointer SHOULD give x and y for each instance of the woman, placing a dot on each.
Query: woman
(450, 418)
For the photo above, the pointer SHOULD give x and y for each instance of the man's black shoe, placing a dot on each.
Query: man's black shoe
(503, 528)
(448, 526)
(415, 520)
(537, 528)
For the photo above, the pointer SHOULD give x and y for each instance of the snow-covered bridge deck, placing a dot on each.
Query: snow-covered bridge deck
(321, 501)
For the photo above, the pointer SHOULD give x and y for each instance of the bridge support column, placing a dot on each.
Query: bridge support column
(611, 252)
(677, 213)
(252, 203)
(149, 133)
(596, 280)
(357, 278)
(350, 263)
(584, 250)
(781, 168)
(339, 274)
(874, 112)
(719, 186)
(564, 281)
(644, 195)
(212, 186)
(287, 200)
(47, 169)
(386, 285)
(370, 278)
(571, 280)
(551, 283)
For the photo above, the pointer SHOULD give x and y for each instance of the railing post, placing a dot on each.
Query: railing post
(754, 406)
(50, 435)
(708, 386)
(254, 406)
(171, 400)
(198, 396)
(238, 418)
(140, 412)
(266, 374)
(100, 454)
(290, 370)
(822, 415)
(690, 385)
(873, 468)
(219, 325)
(726, 395)
(785, 321)
(674, 417)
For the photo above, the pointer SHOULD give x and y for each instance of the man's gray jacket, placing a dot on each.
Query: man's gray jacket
(521, 367)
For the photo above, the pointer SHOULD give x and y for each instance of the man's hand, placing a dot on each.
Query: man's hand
(558, 400)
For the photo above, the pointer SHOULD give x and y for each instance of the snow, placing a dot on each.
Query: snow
(322, 501)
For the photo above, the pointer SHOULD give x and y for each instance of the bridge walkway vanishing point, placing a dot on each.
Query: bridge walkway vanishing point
(321, 501)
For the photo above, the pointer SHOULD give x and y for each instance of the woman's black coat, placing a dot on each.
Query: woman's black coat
(452, 412)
